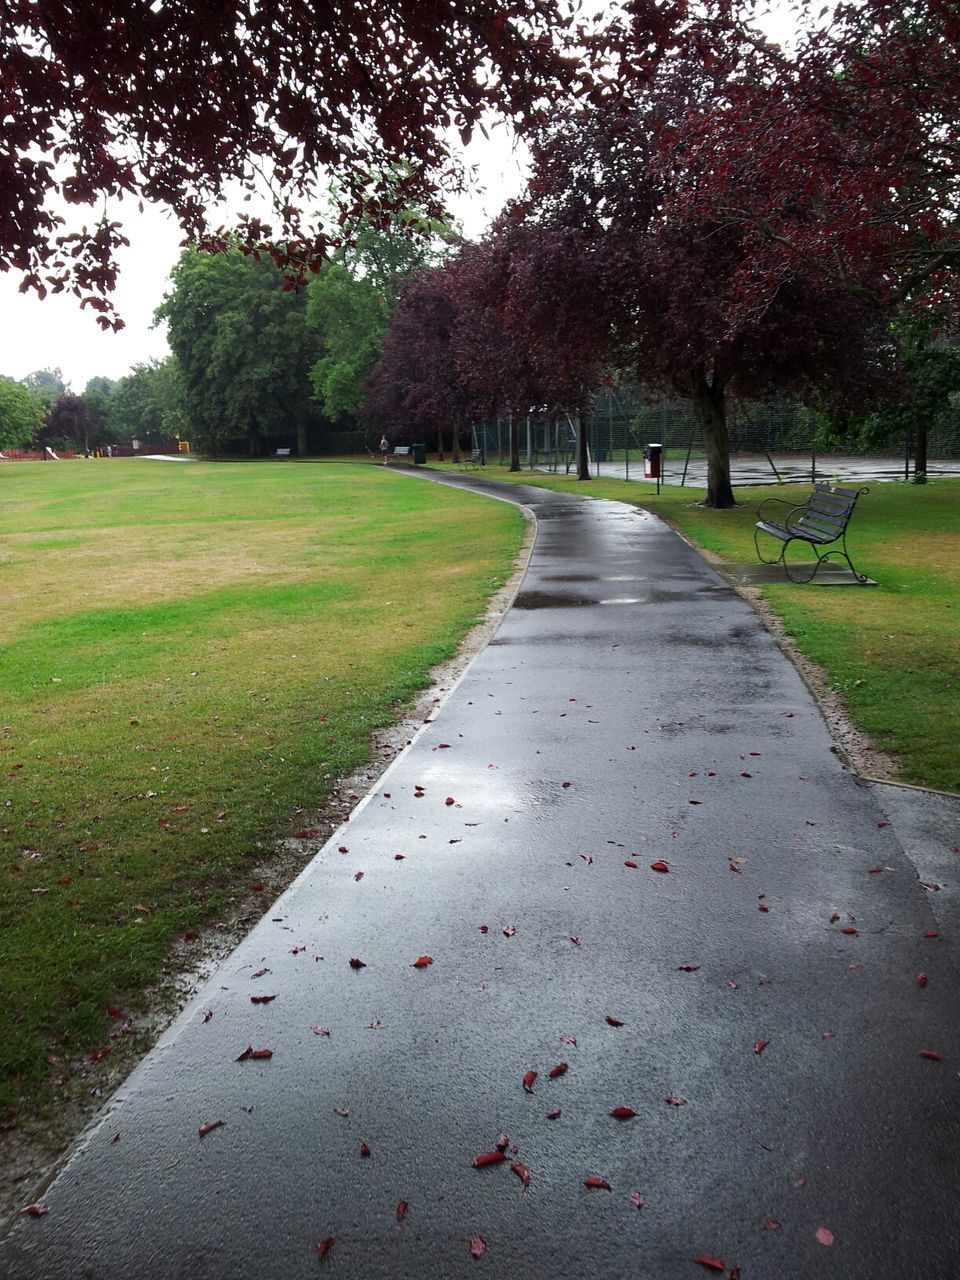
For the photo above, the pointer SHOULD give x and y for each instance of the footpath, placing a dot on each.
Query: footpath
(619, 915)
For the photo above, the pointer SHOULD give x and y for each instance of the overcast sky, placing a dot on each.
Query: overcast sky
(56, 333)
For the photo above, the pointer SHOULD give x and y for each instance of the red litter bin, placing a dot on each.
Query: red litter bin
(652, 454)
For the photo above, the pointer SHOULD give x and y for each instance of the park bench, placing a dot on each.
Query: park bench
(402, 453)
(283, 453)
(475, 460)
(820, 522)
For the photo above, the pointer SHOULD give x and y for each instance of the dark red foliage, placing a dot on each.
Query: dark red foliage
(623, 1113)
(522, 1172)
(262, 999)
(600, 1184)
(254, 1055)
(422, 962)
(613, 1022)
(712, 1264)
(660, 865)
(325, 1245)
(528, 1080)
(488, 1158)
(209, 1127)
(402, 1208)
(478, 1246)
(560, 1069)
(357, 964)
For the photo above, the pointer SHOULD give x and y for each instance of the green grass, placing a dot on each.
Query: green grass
(892, 651)
(190, 656)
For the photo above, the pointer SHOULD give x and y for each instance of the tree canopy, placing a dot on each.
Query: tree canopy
(21, 414)
(172, 102)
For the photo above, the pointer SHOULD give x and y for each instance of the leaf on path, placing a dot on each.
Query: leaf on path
(358, 875)
(734, 986)
(771, 1224)
(260, 973)
(324, 1247)
(931, 933)
(921, 979)
(712, 1264)
(209, 1127)
(402, 1208)
(734, 867)
(342, 848)
(560, 1069)
(569, 1040)
(834, 918)
(320, 1031)
(660, 866)
(588, 858)
(553, 1115)
(399, 857)
(510, 930)
(262, 999)
(688, 968)
(449, 800)
(357, 964)
(676, 1102)
(376, 1026)
(763, 907)
(488, 1158)
(631, 864)
(256, 1055)
(850, 931)
(528, 1080)
(36, 1210)
(565, 785)
(502, 1142)
(931, 1055)
(601, 1184)
(577, 942)
(484, 928)
(207, 1015)
(824, 1235)
(478, 1246)
(364, 1151)
(522, 1172)
(637, 1199)
(613, 1022)
(623, 1113)
(341, 1111)
(422, 962)
(759, 1046)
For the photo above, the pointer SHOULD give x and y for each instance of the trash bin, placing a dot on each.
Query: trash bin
(601, 453)
(419, 454)
(651, 460)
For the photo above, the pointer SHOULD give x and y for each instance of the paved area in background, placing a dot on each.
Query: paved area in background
(792, 468)
(757, 1004)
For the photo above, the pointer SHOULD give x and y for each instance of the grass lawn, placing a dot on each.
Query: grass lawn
(190, 656)
(893, 651)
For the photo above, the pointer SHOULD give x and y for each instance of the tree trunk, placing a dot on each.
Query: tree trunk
(439, 444)
(710, 406)
(514, 443)
(301, 438)
(920, 454)
(583, 456)
(456, 442)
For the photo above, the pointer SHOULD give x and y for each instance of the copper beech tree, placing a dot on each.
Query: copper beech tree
(172, 101)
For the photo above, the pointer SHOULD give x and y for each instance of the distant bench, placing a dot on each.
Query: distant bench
(821, 521)
(402, 453)
(283, 453)
(476, 459)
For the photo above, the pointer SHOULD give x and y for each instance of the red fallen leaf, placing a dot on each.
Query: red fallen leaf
(732, 985)
(262, 999)
(883, 824)
(358, 875)
(921, 979)
(36, 1210)
(99, 1054)
(553, 1115)
(502, 1142)
(560, 1069)
(478, 1246)
(209, 1127)
(207, 1015)
(623, 1113)
(510, 930)
(734, 1273)
(258, 886)
(711, 773)
(734, 867)
(342, 848)
(763, 907)
(931, 1054)
(449, 800)
(325, 1245)
(484, 928)
(522, 1172)
(364, 1150)
(676, 1102)
(712, 1264)
(771, 1224)
(320, 1031)
(759, 1046)
(528, 1080)
(113, 1011)
(341, 1111)
(601, 1184)
(800, 1182)
(637, 1199)
(829, 1035)
(421, 962)
(260, 973)
(875, 871)
(694, 802)
(824, 1235)
(659, 865)
(834, 918)
(588, 858)
(692, 773)
(631, 864)
(402, 1208)
(744, 774)
(295, 951)
(613, 1022)
(688, 968)
(488, 1158)
(577, 942)
(251, 1054)
(568, 1040)
(399, 857)
(357, 964)
(850, 931)
(931, 933)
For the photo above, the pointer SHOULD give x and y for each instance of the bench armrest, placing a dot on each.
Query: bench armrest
(781, 501)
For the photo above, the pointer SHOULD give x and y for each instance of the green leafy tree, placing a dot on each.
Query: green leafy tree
(21, 414)
(47, 383)
(352, 299)
(96, 396)
(147, 404)
(237, 329)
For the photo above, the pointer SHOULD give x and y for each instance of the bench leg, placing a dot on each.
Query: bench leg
(760, 556)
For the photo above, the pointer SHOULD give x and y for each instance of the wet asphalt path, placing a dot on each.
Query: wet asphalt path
(630, 709)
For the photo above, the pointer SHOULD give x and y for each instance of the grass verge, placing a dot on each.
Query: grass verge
(891, 651)
(190, 657)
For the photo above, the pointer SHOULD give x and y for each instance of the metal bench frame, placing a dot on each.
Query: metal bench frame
(821, 521)
(476, 459)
